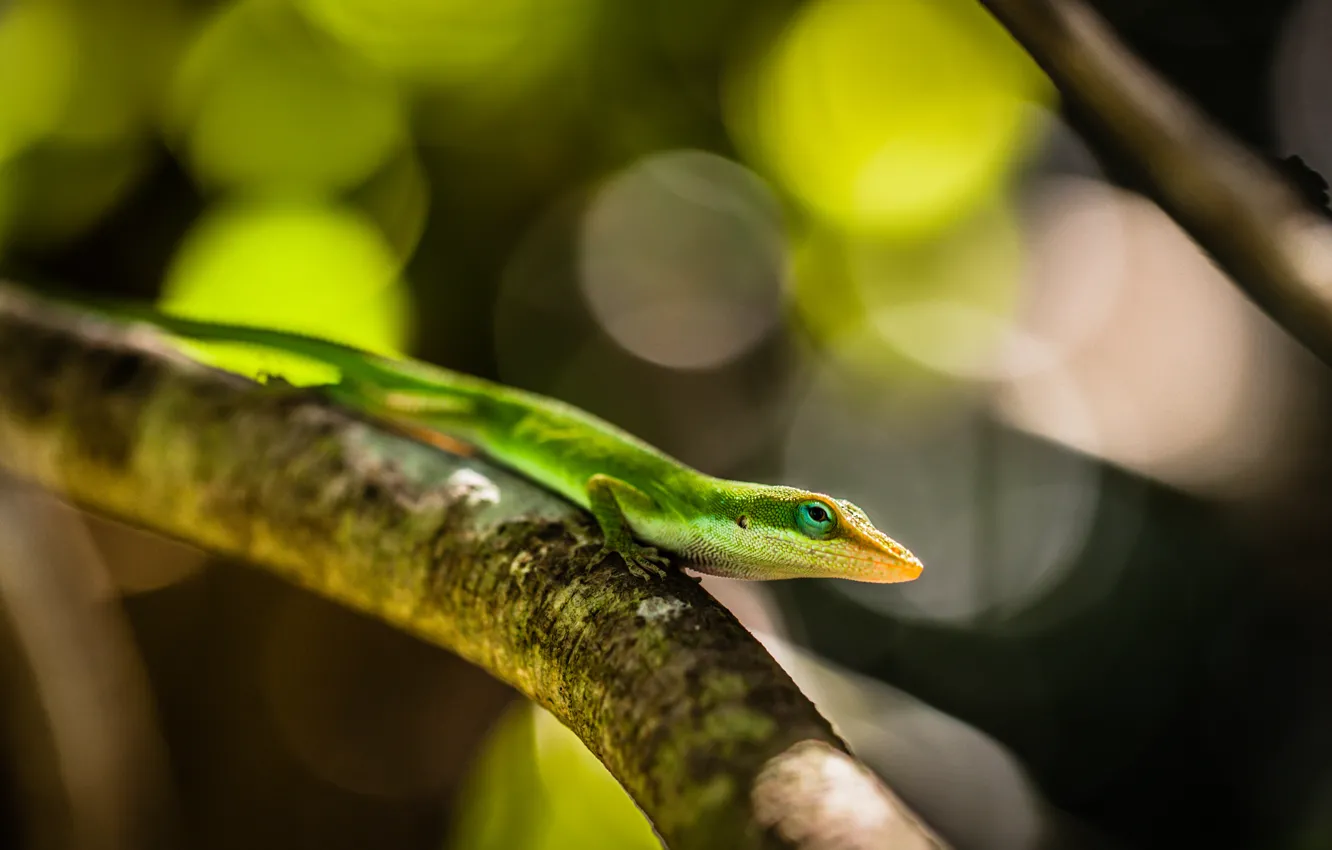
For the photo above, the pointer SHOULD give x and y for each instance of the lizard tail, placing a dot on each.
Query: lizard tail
(407, 392)
(355, 365)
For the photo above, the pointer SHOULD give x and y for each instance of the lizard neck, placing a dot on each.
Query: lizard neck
(683, 516)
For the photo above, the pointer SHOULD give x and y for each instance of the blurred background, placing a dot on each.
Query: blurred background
(850, 245)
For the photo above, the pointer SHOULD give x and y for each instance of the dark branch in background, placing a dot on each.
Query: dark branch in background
(1235, 205)
(93, 779)
(695, 719)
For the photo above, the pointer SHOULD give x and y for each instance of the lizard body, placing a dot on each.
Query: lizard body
(636, 492)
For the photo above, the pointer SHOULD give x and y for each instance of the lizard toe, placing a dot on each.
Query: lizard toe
(637, 571)
(643, 562)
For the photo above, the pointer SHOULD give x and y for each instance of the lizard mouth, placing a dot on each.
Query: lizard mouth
(906, 566)
(873, 563)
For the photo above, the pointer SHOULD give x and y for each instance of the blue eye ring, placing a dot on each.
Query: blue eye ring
(815, 519)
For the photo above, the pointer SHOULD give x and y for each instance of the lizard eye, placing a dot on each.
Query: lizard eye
(815, 519)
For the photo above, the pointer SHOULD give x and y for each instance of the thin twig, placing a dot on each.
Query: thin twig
(106, 787)
(1233, 203)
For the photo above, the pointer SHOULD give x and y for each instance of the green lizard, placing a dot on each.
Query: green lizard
(727, 528)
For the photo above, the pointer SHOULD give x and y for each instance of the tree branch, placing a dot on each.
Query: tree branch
(685, 708)
(1233, 204)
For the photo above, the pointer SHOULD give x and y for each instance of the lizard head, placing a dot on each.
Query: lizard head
(792, 533)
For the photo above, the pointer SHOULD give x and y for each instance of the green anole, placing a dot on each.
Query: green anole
(645, 501)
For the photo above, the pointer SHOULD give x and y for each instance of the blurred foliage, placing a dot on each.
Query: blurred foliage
(264, 102)
(927, 309)
(311, 268)
(65, 189)
(891, 118)
(496, 46)
(37, 55)
(79, 87)
(117, 91)
(536, 786)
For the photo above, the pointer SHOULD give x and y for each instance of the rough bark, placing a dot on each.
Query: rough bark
(685, 708)
(1236, 206)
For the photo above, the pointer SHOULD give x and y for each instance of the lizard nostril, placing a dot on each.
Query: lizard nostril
(742, 521)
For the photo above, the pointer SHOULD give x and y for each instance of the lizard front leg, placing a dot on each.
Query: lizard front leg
(607, 497)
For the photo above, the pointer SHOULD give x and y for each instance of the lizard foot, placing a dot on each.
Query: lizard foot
(643, 561)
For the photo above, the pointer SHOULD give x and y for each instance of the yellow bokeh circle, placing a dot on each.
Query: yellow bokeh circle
(37, 66)
(263, 102)
(890, 116)
(318, 269)
(494, 45)
(943, 306)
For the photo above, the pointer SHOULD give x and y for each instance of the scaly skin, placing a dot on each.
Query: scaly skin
(636, 493)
